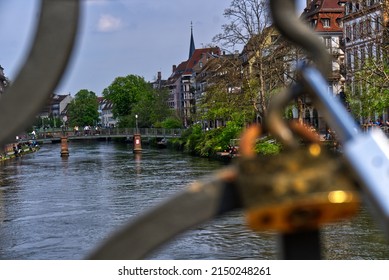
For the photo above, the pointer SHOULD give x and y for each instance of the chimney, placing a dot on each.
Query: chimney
(159, 76)
(174, 68)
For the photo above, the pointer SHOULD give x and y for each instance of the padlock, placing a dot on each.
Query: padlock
(299, 189)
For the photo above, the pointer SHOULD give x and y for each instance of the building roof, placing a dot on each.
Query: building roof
(192, 44)
(317, 10)
(188, 67)
(57, 98)
(105, 104)
(178, 71)
(200, 55)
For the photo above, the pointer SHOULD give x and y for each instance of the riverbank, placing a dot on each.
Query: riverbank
(18, 149)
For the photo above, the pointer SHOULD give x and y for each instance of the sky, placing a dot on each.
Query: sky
(116, 38)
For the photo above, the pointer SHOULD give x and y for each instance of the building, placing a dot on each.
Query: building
(3, 81)
(182, 81)
(106, 118)
(56, 107)
(365, 30)
(222, 69)
(159, 83)
(325, 18)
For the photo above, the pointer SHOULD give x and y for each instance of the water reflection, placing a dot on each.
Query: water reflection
(53, 208)
(138, 161)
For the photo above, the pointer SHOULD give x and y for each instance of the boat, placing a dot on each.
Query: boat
(162, 143)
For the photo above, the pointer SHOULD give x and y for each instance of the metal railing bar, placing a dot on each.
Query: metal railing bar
(45, 64)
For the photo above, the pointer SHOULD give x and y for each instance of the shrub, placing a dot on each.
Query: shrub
(268, 146)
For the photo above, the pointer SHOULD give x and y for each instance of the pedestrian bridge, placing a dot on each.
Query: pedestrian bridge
(54, 135)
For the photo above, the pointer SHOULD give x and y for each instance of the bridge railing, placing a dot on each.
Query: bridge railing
(148, 132)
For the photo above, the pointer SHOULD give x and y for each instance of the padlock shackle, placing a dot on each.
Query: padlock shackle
(334, 112)
(274, 122)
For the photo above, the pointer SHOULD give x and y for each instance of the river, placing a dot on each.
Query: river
(60, 209)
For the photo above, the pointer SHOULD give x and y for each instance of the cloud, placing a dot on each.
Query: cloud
(108, 23)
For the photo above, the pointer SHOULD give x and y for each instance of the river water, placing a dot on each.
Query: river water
(55, 208)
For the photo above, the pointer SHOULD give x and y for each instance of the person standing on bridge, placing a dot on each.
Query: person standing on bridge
(86, 130)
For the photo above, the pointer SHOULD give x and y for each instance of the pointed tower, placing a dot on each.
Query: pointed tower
(192, 44)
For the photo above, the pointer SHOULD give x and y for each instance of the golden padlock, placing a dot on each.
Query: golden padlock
(297, 190)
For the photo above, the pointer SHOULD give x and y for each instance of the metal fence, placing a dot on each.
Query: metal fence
(203, 200)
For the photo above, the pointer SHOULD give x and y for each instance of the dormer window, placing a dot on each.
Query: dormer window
(339, 22)
(326, 22)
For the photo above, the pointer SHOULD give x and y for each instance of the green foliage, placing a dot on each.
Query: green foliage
(125, 92)
(370, 96)
(126, 121)
(268, 146)
(45, 122)
(192, 137)
(133, 96)
(152, 108)
(171, 122)
(208, 143)
(219, 104)
(54, 122)
(83, 110)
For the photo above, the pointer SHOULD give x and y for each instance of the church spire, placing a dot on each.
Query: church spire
(192, 44)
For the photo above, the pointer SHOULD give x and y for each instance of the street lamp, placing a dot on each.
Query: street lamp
(137, 138)
(136, 123)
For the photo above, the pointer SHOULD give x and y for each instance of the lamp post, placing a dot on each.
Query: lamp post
(64, 140)
(137, 138)
(136, 123)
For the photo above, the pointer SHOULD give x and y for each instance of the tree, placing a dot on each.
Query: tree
(152, 108)
(262, 68)
(370, 97)
(83, 109)
(224, 96)
(125, 93)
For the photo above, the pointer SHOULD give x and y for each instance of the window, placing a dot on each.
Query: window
(348, 33)
(356, 59)
(326, 22)
(363, 55)
(327, 42)
(360, 28)
(339, 22)
(348, 59)
(349, 8)
(378, 52)
(356, 6)
(377, 22)
(368, 27)
(370, 50)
